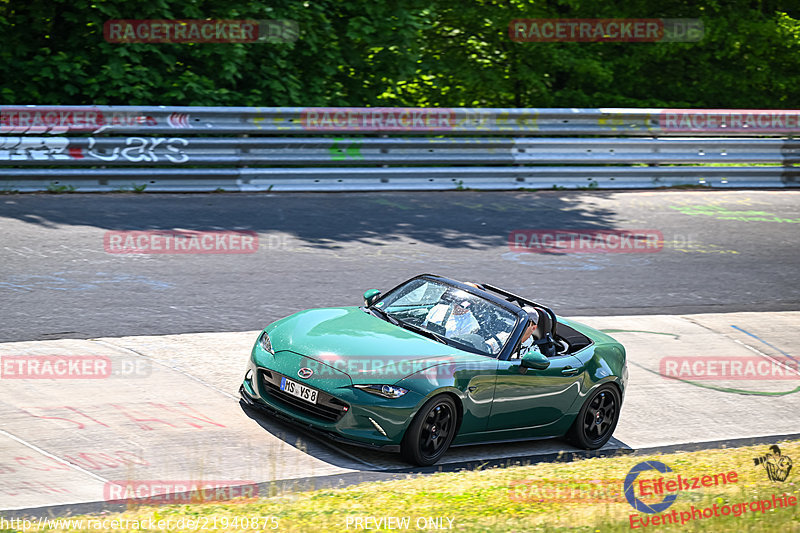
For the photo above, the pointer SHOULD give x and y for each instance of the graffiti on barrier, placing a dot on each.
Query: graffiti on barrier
(34, 148)
(132, 150)
(143, 149)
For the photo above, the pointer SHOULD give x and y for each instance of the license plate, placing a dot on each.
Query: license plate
(299, 390)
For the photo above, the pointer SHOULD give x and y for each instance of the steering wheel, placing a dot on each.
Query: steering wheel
(476, 341)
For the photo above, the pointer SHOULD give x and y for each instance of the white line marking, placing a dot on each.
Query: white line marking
(737, 341)
(53, 457)
(766, 356)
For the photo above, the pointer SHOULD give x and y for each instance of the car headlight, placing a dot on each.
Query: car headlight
(265, 343)
(387, 391)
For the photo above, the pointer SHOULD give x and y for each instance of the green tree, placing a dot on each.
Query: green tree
(749, 57)
(435, 53)
(348, 53)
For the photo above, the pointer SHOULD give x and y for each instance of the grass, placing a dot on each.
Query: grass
(507, 499)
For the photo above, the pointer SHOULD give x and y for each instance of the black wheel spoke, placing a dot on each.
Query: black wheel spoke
(600, 416)
(435, 431)
(588, 422)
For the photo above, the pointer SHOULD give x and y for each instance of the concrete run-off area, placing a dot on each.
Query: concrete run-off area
(165, 408)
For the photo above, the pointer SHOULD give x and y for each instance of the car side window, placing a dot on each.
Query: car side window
(521, 349)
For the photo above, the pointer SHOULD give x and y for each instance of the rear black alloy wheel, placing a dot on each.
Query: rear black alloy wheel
(431, 432)
(597, 419)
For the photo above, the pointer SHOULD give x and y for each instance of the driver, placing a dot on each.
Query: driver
(526, 341)
(455, 317)
(545, 343)
(530, 329)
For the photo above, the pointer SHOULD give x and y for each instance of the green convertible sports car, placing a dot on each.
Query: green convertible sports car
(436, 362)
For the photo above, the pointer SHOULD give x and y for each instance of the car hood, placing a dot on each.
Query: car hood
(361, 345)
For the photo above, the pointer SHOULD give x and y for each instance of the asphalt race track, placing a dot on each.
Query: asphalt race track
(723, 252)
(177, 329)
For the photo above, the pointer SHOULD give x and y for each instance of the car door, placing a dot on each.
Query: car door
(525, 397)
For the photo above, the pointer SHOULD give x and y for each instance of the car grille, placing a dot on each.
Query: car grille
(327, 408)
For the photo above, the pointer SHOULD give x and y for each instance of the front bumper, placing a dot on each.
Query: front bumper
(370, 421)
(265, 407)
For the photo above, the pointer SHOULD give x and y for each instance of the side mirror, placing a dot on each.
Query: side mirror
(371, 296)
(535, 360)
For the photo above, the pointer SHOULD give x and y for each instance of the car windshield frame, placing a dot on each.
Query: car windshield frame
(489, 298)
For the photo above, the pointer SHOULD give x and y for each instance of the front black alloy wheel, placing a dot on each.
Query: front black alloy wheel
(597, 418)
(431, 432)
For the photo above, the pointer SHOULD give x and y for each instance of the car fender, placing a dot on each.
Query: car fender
(471, 383)
(600, 364)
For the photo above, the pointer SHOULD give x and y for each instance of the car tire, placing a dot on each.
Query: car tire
(430, 433)
(597, 419)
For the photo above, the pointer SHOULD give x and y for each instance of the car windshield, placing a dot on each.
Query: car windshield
(450, 314)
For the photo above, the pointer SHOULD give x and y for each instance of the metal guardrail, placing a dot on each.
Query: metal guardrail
(201, 148)
(143, 151)
(159, 120)
(401, 178)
